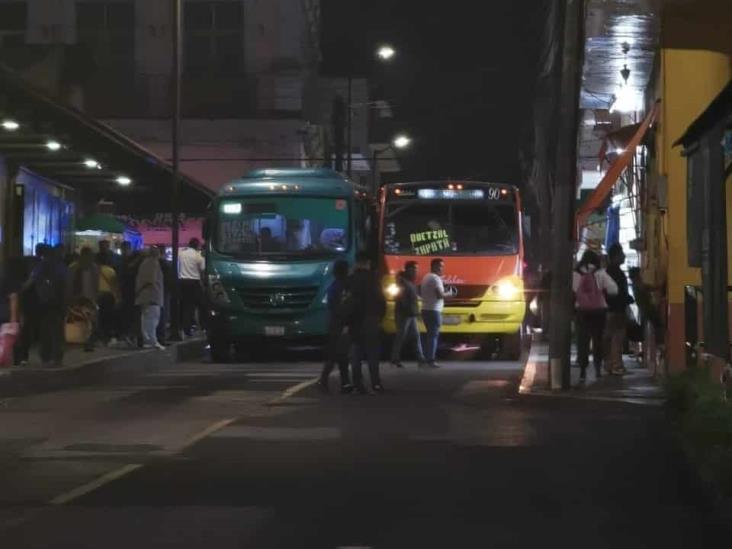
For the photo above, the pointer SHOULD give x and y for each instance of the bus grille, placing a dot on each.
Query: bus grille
(269, 299)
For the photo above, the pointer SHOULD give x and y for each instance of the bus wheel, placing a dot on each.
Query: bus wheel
(220, 348)
(511, 346)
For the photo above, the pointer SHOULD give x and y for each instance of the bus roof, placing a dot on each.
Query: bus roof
(316, 181)
(433, 183)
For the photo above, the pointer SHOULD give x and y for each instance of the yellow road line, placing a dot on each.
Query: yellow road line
(207, 432)
(292, 391)
(84, 489)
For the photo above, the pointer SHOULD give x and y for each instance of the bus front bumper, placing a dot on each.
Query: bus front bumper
(236, 325)
(488, 317)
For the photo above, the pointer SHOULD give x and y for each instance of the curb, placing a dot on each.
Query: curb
(19, 381)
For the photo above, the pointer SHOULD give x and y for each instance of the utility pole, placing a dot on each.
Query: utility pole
(562, 300)
(338, 127)
(349, 125)
(175, 202)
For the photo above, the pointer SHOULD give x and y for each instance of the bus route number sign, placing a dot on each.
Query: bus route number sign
(494, 193)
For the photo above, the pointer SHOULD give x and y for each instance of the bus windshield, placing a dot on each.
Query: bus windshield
(413, 227)
(282, 226)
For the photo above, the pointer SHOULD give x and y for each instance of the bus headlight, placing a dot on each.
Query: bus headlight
(507, 289)
(216, 291)
(392, 290)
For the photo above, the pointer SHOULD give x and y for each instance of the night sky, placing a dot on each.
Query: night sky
(461, 85)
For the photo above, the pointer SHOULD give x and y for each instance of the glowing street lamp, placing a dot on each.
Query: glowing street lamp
(124, 180)
(402, 141)
(10, 125)
(53, 145)
(385, 52)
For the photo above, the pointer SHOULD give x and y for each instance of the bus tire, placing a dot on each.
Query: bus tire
(511, 346)
(220, 348)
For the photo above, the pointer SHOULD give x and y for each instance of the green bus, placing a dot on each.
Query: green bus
(271, 240)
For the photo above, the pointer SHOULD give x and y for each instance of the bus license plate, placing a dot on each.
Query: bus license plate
(451, 320)
(274, 330)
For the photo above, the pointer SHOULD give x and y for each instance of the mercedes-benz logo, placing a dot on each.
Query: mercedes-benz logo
(451, 291)
(277, 300)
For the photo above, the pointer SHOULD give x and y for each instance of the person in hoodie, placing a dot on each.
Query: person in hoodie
(367, 309)
(149, 294)
(591, 285)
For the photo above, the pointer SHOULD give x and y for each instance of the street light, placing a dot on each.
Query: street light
(385, 53)
(400, 142)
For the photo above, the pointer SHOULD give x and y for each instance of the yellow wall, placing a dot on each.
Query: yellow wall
(691, 79)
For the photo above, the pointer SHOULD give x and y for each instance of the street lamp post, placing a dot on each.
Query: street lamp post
(399, 142)
(385, 53)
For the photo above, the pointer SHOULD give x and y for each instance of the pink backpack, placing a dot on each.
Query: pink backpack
(589, 295)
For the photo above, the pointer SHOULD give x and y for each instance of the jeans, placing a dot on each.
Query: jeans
(190, 302)
(432, 322)
(52, 335)
(615, 340)
(589, 327)
(406, 327)
(336, 352)
(365, 346)
(150, 319)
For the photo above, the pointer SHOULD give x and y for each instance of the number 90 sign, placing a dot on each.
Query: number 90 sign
(494, 193)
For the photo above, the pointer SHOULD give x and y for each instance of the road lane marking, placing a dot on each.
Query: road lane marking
(292, 391)
(95, 484)
(207, 432)
(281, 433)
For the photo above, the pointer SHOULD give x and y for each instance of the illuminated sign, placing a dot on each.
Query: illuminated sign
(231, 208)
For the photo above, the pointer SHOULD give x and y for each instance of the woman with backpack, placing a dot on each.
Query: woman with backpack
(591, 285)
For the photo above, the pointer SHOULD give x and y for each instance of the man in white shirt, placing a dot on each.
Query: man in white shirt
(191, 267)
(433, 301)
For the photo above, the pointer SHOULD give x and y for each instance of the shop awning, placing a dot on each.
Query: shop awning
(66, 145)
(623, 160)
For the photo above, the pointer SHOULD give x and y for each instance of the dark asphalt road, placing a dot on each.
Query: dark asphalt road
(447, 458)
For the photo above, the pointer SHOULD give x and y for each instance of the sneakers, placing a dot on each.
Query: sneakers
(397, 364)
(378, 388)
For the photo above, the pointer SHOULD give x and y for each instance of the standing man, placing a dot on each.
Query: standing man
(338, 342)
(615, 327)
(29, 331)
(406, 312)
(149, 297)
(191, 267)
(367, 309)
(433, 302)
(50, 280)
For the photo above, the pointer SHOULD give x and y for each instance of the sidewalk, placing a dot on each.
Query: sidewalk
(638, 386)
(84, 368)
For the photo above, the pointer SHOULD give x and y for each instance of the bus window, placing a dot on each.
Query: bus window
(450, 228)
(297, 226)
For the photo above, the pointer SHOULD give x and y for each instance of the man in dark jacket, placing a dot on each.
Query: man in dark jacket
(30, 308)
(615, 326)
(406, 312)
(337, 347)
(50, 279)
(368, 307)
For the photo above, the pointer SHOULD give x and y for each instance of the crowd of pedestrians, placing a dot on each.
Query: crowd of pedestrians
(602, 315)
(122, 300)
(357, 307)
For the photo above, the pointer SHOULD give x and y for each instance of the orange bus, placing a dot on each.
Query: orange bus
(476, 228)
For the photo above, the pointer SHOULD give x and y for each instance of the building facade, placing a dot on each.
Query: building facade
(248, 69)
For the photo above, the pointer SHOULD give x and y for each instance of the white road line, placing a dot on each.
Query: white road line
(84, 489)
